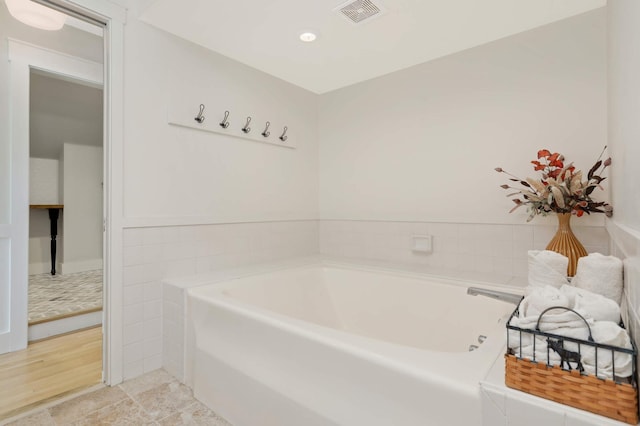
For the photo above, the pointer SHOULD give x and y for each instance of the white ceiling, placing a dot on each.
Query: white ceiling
(264, 33)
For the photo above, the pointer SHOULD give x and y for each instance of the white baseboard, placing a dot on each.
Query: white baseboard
(81, 266)
(44, 267)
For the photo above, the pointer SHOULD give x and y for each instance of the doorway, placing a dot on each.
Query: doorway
(66, 159)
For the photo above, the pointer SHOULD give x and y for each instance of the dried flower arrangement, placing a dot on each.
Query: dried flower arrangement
(561, 188)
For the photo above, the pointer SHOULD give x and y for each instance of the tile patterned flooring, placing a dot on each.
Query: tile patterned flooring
(155, 398)
(56, 296)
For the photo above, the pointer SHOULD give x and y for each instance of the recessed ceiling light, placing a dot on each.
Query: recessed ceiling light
(308, 37)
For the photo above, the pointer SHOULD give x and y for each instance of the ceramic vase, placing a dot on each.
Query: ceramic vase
(566, 243)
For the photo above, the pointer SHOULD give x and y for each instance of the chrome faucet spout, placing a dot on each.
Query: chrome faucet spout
(494, 294)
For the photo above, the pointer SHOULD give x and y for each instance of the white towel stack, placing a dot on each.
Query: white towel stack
(600, 274)
(597, 306)
(601, 316)
(540, 298)
(547, 268)
(608, 333)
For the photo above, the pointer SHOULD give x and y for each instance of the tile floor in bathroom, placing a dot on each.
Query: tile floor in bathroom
(155, 398)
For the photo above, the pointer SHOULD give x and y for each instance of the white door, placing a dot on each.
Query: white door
(14, 215)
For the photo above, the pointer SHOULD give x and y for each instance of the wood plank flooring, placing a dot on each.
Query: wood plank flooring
(49, 369)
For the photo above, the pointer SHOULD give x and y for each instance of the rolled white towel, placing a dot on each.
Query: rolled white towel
(600, 274)
(598, 307)
(547, 268)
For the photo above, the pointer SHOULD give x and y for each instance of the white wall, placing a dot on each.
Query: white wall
(43, 181)
(421, 144)
(624, 137)
(182, 175)
(413, 152)
(624, 109)
(82, 215)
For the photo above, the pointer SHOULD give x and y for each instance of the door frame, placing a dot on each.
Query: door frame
(23, 57)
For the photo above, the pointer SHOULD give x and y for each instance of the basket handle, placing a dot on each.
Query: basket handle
(568, 309)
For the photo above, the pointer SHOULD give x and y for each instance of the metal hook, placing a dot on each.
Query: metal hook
(200, 118)
(246, 127)
(224, 123)
(266, 132)
(283, 136)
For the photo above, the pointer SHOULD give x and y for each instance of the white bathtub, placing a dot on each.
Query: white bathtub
(329, 345)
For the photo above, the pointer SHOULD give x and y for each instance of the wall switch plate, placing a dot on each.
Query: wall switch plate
(422, 244)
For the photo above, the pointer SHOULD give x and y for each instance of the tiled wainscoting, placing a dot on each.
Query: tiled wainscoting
(500, 249)
(156, 253)
(153, 254)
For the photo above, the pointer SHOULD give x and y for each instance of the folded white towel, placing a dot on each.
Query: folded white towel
(522, 345)
(541, 352)
(556, 321)
(540, 298)
(600, 274)
(608, 333)
(598, 307)
(547, 268)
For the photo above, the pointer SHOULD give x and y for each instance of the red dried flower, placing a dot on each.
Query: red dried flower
(558, 190)
(544, 153)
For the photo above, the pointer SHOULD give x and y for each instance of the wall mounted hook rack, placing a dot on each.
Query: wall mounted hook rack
(180, 113)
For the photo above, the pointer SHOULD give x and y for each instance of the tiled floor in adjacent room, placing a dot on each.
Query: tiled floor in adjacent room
(155, 398)
(56, 296)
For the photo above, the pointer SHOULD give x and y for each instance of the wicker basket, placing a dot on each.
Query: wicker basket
(614, 399)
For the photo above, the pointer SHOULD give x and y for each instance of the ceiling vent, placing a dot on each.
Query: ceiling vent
(359, 11)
